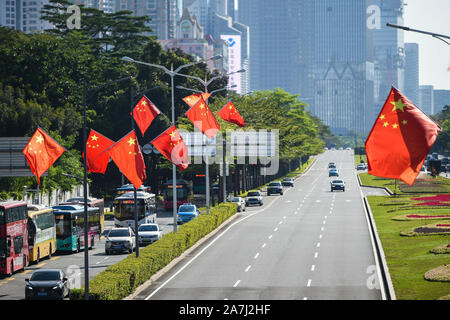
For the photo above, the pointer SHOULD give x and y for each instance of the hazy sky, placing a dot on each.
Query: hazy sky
(434, 55)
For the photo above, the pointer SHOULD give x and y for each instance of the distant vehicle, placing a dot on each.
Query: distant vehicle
(447, 168)
(184, 193)
(240, 202)
(187, 212)
(444, 161)
(360, 166)
(341, 148)
(129, 187)
(47, 284)
(333, 173)
(434, 167)
(275, 187)
(119, 240)
(331, 165)
(423, 168)
(435, 156)
(288, 182)
(41, 232)
(254, 197)
(124, 209)
(69, 221)
(337, 185)
(149, 233)
(92, 202)
(14, 254)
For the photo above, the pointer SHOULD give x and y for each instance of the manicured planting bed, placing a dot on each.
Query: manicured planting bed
(436, 228)
(442, 249)
(441, 273)
(421, 217)
(409, 258)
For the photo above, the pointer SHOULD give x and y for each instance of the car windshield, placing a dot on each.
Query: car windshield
(187, 208)
(235, 200)
(45, 276)
(274, 184)
(148, 228)
(119, 233)
(253, 194)
(287, 179)
(338, 181)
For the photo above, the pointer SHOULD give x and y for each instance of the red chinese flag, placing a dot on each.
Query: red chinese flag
(172, 146)
(203, 119)
(41, 152)
(127, 155)
(97, 157)
(400, 139)
(144, 113)
(229, 113)
(194, 98)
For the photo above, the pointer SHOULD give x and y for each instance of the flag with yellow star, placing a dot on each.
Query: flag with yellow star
(194, 98)
(172, 146)
(400, 139)
(229, 113)
(97, 158)
(144, 113)
(41, 152)
(126, 154)
(203, 119)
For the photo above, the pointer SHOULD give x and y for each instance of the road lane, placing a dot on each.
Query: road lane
(310, 243)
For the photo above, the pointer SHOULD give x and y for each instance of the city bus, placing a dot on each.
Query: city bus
(92, 202)
(124, 209)
(14, 253)
(41, 232)
(70, 227)
(199, 183)
(184, 193)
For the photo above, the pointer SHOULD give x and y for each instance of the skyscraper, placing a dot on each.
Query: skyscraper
(441, 99)
(426, 99)
(24, 15)
(342, 70)
(412, 72)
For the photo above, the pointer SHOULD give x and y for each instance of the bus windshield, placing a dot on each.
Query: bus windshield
(63, 226)
(124, 209)
(181, 194)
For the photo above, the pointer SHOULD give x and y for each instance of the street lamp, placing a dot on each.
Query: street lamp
(205, 85)
(434, 35)
(172, 73)
(86, 225)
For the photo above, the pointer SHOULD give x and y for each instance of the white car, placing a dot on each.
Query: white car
(149, 233)
(119, 240)
(240, 202)
(254, 197)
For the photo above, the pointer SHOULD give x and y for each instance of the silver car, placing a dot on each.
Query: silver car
(240, 202)
(119, 240)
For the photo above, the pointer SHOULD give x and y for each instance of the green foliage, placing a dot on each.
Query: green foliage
(121, 279)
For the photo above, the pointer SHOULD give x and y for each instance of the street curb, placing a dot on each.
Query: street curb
(390, 292)
(175, 261)
(388, 191)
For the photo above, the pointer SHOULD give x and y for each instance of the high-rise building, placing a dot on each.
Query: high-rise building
(426, 99)
(343, 70)
(24, 15)
(411, 90)
(441, 99)
(164, 14)
(388, 49)
(107, 6)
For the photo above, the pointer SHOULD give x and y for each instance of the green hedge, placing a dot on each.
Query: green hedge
(121, 279)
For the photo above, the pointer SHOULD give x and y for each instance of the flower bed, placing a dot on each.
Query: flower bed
(441, 273)
(431, 229)
(445, 248)
(437, 200)
(421, 217)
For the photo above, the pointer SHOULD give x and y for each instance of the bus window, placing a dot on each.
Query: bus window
(18, 245)
(2, 217)
(3, 252)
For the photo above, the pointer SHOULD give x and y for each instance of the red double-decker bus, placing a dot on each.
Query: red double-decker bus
(14, 253)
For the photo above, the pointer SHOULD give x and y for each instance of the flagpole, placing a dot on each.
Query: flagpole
(86, 251)
(134, 188)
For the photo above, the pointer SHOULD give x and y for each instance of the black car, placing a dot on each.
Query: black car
(287, 182)
(47, 284)
(337, 185)
(331, 165)
(275, 187)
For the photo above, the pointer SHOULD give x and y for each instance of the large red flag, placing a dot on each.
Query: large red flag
(97, 158)
(172, 146)
(144, 113)
(127, 155)
(41, 152)
(194, 98)
(203, 119)
(229, 113)
(400, 139)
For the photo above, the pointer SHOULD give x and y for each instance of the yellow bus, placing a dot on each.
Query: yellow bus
(41, 232)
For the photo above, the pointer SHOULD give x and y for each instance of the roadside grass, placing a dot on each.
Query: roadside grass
(409, 258)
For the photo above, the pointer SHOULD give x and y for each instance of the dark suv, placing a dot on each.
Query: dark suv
(337, 185)
(275, 187)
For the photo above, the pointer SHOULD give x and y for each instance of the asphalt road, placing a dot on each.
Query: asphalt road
(310, 243)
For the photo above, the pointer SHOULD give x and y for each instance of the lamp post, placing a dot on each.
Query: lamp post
(205, 84)
(86, 225)
(172, 73)
(434, 35)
